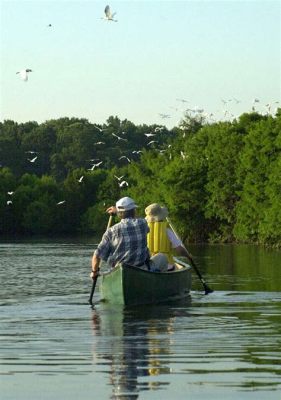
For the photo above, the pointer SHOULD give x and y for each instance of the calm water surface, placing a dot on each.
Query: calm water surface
(54, 346)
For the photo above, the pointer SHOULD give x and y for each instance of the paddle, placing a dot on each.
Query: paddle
(96, 278)
(206, 287)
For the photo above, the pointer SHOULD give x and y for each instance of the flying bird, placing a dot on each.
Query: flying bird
(95, 165)
(159, 128)
(98, 128)
(99, 143)
(24, 73)
(150, 134)
(80, 179)
(120, 158)
(119, 177)
(109, 16)
(10, 193)
(123, 183)
(32, 160)
(61, 202)
(183, 156)
(119, 138)
(165, 116)
(151, 142)
(182, 100)
(9, 202)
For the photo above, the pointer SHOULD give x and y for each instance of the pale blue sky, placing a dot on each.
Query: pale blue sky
(136, 68)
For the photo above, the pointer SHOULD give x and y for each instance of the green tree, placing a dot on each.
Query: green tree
(223, 146)
(256, 162)
(7, 185)
(11, 154)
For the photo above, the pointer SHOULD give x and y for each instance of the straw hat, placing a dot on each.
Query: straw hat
(155, 213)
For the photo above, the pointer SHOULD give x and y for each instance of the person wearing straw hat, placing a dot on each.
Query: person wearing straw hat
(124, 242)
(162, 241)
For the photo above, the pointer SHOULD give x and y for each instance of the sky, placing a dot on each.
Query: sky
(156, 55)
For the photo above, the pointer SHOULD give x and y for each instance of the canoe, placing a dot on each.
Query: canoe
(129, 285)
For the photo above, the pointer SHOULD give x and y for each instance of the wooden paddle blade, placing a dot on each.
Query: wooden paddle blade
(93, 290)
(207, 289)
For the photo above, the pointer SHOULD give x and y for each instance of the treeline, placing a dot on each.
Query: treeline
(221, 181)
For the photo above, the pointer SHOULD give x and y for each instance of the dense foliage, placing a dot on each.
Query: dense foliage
(221, 181)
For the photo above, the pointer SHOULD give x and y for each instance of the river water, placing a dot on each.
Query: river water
(54, 346)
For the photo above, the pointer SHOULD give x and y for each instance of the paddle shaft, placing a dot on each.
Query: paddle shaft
(96, 277)
(206, 288)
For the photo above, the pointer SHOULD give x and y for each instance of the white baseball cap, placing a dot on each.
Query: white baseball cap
(125, 204)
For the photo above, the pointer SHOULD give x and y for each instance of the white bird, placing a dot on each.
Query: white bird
(109, 16)
(24, 73)
(61, 202)
(119, 138)
(150, 134)
(80, 179)
(33, 159)
(196, 109)
(119, 177)
(137, 151)
(95, 165)
(9, 202)
(98, 128)
(123, 183)
(182, 100)
(159, 128)
(31, 152)
(165, 116)
(99, 143)
(151, 142)
(120, 158)
(10, 193)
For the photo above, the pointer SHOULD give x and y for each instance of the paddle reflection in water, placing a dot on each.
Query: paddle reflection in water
(134, 342)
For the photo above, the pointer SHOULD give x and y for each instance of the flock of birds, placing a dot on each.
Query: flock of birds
(225, 114)
(192, 111)
(122, 183)
(108, 16)
(96, 163)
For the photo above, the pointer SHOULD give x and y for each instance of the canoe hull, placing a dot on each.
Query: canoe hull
(131, 286)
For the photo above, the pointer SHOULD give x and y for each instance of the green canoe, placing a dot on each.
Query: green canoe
(131, 286)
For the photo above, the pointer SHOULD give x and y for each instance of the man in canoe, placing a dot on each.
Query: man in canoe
(124, 242)
(162, 241)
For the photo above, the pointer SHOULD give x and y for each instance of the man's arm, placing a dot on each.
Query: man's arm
(177, 245)
(181, 251)
(95, 266)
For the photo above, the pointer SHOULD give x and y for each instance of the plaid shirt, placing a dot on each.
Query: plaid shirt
(125, 242)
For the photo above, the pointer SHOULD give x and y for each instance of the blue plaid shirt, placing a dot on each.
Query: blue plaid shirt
(125, 242)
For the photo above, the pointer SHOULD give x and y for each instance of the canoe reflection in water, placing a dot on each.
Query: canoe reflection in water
(134, 342)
